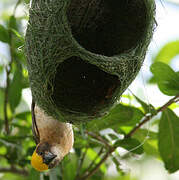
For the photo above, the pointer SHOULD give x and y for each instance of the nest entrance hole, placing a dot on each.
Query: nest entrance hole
(82, 87)
(107, 27)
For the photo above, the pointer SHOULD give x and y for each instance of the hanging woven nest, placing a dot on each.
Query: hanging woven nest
(83, 54)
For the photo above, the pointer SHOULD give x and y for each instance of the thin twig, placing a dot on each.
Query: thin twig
(81, 160)
(6, 91)
(8, 71)
(6, 101)
(93, 171)
(146, 119)
(14, 170)
(98, 138)
(93, 162)
(149, 117)
(15, 8)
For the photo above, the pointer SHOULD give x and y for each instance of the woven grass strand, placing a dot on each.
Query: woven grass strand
(83, 54)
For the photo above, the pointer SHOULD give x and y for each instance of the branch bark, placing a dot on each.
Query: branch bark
(149, 117)
(112, 149)
(98, 138)
(90, 173)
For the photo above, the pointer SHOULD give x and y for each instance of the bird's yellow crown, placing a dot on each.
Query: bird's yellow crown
(37, 162)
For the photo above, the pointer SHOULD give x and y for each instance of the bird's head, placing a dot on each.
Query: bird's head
(45, 157)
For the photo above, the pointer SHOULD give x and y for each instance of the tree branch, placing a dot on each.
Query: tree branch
(112, 149)
(90, 173)
(150, 116)
(14, 170)
(97, 156)
(98, 138)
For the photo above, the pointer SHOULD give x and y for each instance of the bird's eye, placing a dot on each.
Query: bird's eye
(40, 153)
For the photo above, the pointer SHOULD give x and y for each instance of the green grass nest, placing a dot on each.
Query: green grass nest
(83, 54)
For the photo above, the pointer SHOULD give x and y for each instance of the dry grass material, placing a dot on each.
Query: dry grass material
(83, 54)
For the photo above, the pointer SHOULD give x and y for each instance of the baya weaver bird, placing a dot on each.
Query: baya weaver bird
(54, 139)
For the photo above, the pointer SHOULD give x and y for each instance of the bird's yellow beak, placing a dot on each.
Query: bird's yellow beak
(37, 162)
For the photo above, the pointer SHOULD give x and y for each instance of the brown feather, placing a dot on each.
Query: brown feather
(56, 133)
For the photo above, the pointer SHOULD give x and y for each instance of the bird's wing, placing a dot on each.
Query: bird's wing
(35, 130)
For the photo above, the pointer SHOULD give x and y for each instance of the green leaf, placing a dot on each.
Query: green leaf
(120, 115)
(151, 148)
(4, 34)
(81, 142)
(22, 130)
(23, 115)
(149, 140)
(12, 22)
(27, 1)
(117, 164)
(10, 176)
(17, 35)
(168, 52)
(1, 69)
(70, 166)
(15, 89)
(130, 144)
(142, 134)
(148, 108)
(167, 79)
(11, 139)
(143, 104)
(169, 140)
(152, 80)
(92, 156)
(8, 142)
(33, 174)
